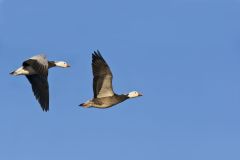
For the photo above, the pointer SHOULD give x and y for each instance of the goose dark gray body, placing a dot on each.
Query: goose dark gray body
(104, 96)
(106, 102)
(39, 81)
(36, 71)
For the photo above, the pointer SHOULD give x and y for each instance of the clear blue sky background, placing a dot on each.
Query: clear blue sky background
(183, 55)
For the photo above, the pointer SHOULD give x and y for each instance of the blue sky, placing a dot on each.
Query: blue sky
(183, 55)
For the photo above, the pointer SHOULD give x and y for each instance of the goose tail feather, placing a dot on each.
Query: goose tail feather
(85, 105)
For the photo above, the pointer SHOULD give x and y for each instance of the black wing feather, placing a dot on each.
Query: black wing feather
(40, 89)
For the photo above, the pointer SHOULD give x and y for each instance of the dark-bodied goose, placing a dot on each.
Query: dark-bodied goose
(36, 71)
(104, 96)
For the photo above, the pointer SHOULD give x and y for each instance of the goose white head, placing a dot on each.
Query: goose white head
(61, 64)
(134, 94)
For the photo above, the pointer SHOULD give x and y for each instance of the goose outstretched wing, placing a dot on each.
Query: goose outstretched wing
(40, 89)
(39, 80)
(102, 77)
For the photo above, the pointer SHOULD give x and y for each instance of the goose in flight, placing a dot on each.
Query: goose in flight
(36, 71)
(104, 96)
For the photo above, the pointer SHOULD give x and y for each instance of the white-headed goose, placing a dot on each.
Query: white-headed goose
(36, 71)
(104, 96)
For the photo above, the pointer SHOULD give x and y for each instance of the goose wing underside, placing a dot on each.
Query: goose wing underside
(39, 63)
(40, 89)
(102, 81)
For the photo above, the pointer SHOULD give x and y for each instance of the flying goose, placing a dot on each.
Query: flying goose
(36, 71)
(104, 96)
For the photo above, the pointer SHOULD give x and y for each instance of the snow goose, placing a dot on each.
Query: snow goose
(104, 96)
(36, 71)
